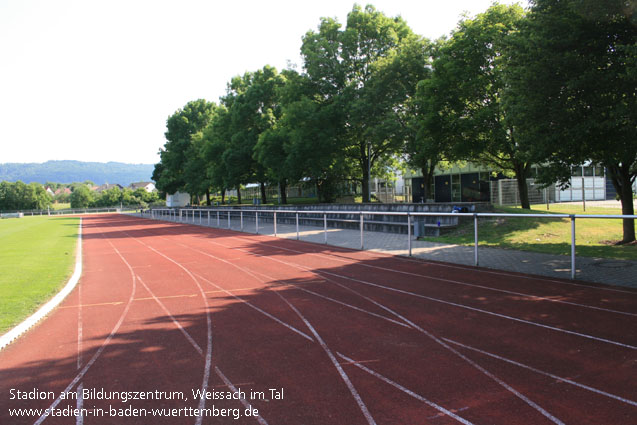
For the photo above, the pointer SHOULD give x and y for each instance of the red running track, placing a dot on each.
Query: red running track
(312, 334)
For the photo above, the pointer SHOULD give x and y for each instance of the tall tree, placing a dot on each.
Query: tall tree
(348, 68)
(170, 173)
(573, 90)
(463, 99)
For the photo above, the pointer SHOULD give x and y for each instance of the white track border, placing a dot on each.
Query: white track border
(30, 321)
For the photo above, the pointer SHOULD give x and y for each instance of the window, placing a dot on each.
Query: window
(588, 171)
(576, 171)
(456, 195)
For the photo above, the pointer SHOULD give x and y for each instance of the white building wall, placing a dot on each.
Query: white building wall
(177, 199)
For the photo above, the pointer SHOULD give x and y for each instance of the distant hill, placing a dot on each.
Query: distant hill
(76, 171)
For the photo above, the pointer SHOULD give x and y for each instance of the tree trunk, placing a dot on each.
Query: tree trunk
(365, 161)
(428, 176)
(208, 197)
(264, 198)
(621, 178)
(521, 172)
(238, 194)
(283, 185)
(223, 196)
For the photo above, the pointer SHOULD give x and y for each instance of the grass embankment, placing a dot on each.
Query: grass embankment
(593, 237)
(37, 257)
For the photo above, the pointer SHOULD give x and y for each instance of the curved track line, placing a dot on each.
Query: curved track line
(177, 324)
(405, 390)
(208, 357)
(88, 365)
(440, 342)
(457, 282)
(234, 389)
(541, 372)
(338, 367)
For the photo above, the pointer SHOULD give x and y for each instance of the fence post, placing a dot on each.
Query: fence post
(325, 226)
(256, 221)
(200, 217)
(208, 217)
(583, 194)
(297, 225)
(241, 218)
(362, 244)
(573, 246)
(275, 223)
(475, 235)
(409, 233)
(229, 225)
(218, 218)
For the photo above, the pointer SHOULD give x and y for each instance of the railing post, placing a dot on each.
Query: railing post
(573, 246)
(275, 224)
(256, 221)
(229, 226)
(241, 218)
(200, 217)
(218, 219)
(409, 233)
(475, 237)
(208, 217)
(297, 225)
(325, 226)
(362, 244)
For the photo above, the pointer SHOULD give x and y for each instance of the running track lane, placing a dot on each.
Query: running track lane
(352, 337)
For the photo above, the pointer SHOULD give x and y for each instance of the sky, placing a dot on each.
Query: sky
(95, 80)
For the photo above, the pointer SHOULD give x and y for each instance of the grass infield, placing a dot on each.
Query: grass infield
(593, 237)
(37, 257)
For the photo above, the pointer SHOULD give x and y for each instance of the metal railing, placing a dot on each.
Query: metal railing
(196, 216)
(94, 210)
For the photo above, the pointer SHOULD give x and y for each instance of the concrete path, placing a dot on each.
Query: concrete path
(599, 270)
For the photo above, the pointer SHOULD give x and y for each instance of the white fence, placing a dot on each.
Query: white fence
(221, 216)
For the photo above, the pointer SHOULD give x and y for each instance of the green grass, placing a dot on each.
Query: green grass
(37, 256)
(593, 237)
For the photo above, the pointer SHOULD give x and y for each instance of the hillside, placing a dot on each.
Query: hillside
(76, 171)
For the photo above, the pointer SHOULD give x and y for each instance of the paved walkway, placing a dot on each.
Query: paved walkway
(607, 271)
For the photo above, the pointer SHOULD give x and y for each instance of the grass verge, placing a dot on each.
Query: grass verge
(37, 256)
(593, 237)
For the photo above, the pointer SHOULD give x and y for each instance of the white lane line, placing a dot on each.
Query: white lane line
(541, 372)
(234, 389)
(208, 357)
(405, 390)
(451, 266)
(338, 367)
(177, 324)
(445, 345)
(79, 419)
(88, 365)
(265, 313)
(350, 386)
(457, 282)
(503, 316)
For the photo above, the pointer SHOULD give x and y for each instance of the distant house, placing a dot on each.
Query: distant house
(107, 186)
(147, 186)
(177, 199)
(64, 190)
(49, 191)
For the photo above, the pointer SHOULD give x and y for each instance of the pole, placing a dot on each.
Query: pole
(256, 221)
(572, 246)
(241, 218)
(583, 195)
(275, 224)
(297, 226)
(228, 219)
(475, 235)
(362, 245)
(218, 219)
(325, 226)
(409, 233)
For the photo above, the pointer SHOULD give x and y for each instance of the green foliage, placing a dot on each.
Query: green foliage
(21, 196)
(573, 90)
(82, 197)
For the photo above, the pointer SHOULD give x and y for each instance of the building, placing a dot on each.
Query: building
(177, 199)
(475, 183)
(106, 186)
(147, 186)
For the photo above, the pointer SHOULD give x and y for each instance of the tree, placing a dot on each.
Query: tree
(170, 172)
(348, 69)
(81, 197)
(463, 99)
(573, 90)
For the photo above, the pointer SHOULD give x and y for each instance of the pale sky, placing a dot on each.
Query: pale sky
(96, 80)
